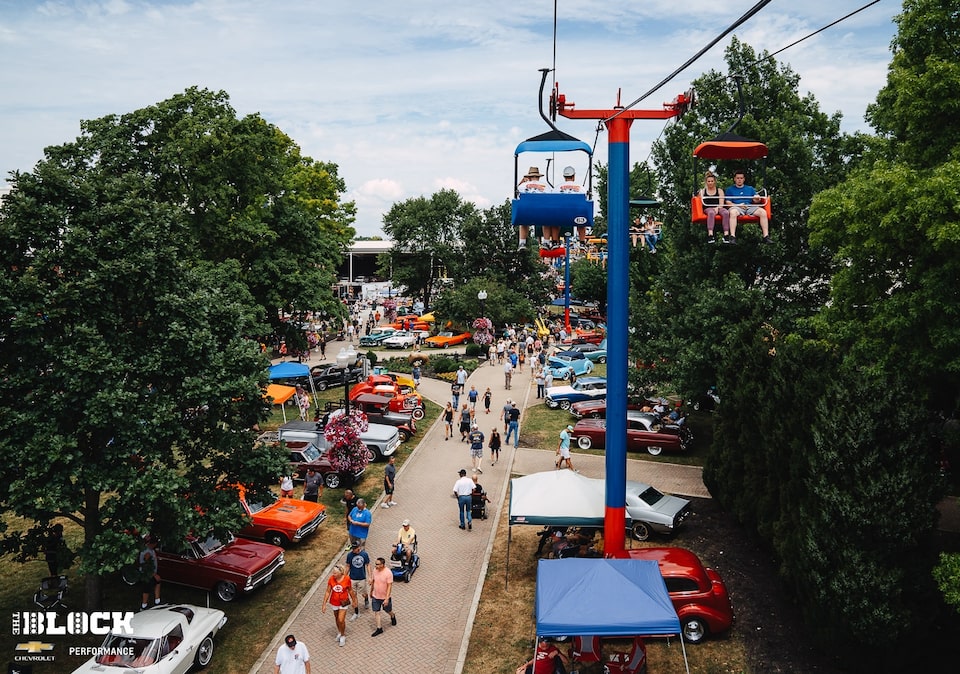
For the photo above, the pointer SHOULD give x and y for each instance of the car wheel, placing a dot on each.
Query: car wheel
(130, 574)
(694, 630)
(371, 455)
(640, 531)
(566, 375)
(447, 345)
(654, 450)
(226, 590)
(565, 404)
(418, 413)
(332, 480)
(404, 436)
(377, 456)
(204, 652)
(602, 359)
(275, 538)
(321, 386)
(584, 442)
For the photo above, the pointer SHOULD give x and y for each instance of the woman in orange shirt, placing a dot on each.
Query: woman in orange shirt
(340, 594)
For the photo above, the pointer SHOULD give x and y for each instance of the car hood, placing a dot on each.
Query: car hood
(561, 390)
(242, 556)
(291, 511)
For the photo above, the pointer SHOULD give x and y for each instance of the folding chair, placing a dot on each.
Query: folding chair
(585, 650)
(634, 662)
(50, 594)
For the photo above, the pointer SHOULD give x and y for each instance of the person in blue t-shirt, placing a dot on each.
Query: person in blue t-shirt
(742, 199)
(359, 523)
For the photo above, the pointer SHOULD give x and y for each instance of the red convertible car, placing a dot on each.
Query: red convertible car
(447, 339)
(645, 432)
(225, 567)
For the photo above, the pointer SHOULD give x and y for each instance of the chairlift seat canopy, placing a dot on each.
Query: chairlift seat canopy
(731, 149)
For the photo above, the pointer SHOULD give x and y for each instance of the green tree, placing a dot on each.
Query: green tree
(245, 192)
(127, 385)
(426, 237)
(137, 260)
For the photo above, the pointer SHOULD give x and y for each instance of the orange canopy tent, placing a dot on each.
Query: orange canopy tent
(280, 394)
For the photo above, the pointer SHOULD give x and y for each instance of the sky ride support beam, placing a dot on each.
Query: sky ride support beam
(618, 122)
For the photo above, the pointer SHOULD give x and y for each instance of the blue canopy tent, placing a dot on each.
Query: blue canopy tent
(291, 370)
(604, 597)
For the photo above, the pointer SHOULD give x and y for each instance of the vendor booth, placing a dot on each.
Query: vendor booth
(604, 598)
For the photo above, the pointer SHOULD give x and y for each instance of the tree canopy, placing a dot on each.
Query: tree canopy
(137, 261)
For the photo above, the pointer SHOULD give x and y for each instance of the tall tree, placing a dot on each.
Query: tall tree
(135, 261)
(426, 237)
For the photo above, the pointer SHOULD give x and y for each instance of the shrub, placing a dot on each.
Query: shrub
(372, 357)
(474, 350)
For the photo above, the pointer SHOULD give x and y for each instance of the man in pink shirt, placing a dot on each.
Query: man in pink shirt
(381, 585)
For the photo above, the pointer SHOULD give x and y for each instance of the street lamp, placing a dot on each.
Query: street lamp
(345, 359)
(482, 296)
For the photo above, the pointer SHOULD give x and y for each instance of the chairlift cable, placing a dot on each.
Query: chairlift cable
(736, 24)
(816, 32)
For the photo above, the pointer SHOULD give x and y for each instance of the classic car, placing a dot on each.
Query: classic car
(381, 440)
(651, 511)
(595, 352)
(225, 567)
(447, 339)
(401, 339)
(377, 409)
(377, 336)
(167, 639)
(279, 521)
(645, 432)
(585, 388)
(562, 367)
(400, 401)
(405, 382)
(330, 376)
(585, 337)
(698, 594)
(588, 409)
(304, 455)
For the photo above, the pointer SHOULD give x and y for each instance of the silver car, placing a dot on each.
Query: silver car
(652, 511)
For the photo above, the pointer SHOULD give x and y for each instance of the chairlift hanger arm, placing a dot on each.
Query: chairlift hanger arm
(675, 108)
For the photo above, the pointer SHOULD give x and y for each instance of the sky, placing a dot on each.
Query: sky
(408, 98)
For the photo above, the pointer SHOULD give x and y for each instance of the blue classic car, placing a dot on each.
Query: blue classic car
(595, 352)
(563, 367)
(585, 388)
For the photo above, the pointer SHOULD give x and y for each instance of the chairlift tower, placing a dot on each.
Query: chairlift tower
(617, 122)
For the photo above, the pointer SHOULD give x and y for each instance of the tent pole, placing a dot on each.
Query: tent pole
(506, 570)
(684, 649)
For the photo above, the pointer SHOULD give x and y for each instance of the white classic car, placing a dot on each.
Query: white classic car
(166, 639)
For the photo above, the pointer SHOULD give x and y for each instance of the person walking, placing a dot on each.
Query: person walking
(359, 523)
(389, 481)
(541, 382)
(507, 373)
(381, 590)
(448, 422)
(149, 571)
(505, 414)
(293, 657)
(464, 422)
(463, 490)
(494, 446)
(487, 399)
(513, 427)
(312, 485)
(476, 448)
(358, 563)
(563, 449)
(461, 377)
(472, 396)
(339, 595)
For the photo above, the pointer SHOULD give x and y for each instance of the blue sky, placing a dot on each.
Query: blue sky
(407, 98)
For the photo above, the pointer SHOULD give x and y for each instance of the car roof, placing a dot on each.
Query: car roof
(592, 380)
(156, 622)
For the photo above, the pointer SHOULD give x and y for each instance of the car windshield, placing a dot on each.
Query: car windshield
(210, 545)
(311, 453)
(650, 495)
(260, 501)
(126, 651)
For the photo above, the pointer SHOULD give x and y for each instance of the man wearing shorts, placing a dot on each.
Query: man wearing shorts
(475, 438)
(380, 589)
(358, 563)
(563, 449)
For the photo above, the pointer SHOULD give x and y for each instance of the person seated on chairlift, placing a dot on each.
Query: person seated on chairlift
(570, 186)
(531, 183)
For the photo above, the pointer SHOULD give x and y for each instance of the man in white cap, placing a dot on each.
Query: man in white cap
(563, 449)
(407, 535)
(570, 186)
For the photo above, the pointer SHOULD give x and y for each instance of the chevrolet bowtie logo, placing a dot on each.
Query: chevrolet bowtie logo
(34, 647)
